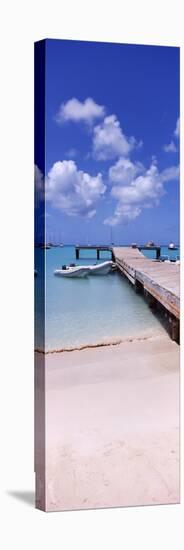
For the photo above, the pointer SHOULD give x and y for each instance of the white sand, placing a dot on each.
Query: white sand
(112, 425)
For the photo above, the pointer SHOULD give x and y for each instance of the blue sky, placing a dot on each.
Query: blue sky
(112, 142)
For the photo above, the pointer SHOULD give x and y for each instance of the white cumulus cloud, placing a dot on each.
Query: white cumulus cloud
(170, 174)
(141, 191)
(124, 171)
(145, 187)
(123, 214)
(170, 148)
(73, 191)
(109, 141)
(78, 111)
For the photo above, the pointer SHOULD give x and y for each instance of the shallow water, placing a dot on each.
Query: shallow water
(88, 311)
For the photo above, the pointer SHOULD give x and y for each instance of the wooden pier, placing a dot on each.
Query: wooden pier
(159, 281)
(109, 248)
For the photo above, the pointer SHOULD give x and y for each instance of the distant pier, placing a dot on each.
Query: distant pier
(109, 248)
(101, 248)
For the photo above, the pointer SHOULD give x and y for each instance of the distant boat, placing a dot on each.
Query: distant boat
(172, 246)
(72, 271)
(150, 243)
(134, 245)
(61, 245)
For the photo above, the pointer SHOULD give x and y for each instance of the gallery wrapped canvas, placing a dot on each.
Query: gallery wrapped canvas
(107, 263)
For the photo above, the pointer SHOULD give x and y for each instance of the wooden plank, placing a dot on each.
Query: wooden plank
(159, 279)
(127, 273)
(168, 299)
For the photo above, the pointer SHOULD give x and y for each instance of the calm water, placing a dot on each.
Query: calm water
(89, 310)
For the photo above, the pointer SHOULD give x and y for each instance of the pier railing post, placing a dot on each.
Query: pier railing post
(152, 302)
(174, 329)
(138, 287)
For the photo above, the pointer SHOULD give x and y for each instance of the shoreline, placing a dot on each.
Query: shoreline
(143, 336)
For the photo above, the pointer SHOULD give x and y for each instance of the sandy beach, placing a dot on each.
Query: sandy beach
(112, 425)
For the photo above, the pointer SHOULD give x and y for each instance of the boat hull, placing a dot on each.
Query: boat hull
(71, 273)
(103, 271)
(100, 269)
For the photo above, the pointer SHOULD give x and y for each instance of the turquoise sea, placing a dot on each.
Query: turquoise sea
(88, 311)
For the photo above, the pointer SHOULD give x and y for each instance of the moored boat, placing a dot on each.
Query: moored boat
(172, 246)
(150, 244)
(100, 269)
(72, 271)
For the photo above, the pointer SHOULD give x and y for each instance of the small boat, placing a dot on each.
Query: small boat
(35, 272)
(101, 269)
(76, 271)
(150, 244)
(134, 245)
(172, 246)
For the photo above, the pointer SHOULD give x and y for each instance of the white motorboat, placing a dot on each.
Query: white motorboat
(82, 270)
(100, 269)
(150, 244)
(72, 271)
(172, 246)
